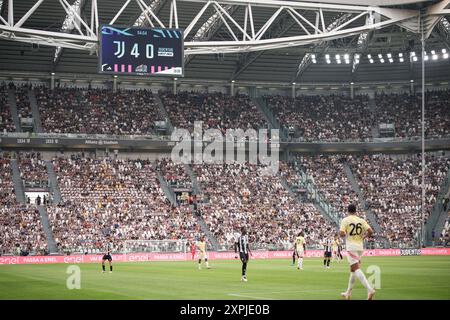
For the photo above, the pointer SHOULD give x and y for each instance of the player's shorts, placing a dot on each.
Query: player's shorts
(244, 257)
(300, 253)
(202, 255)
(354, 257)
(327, 254)
(107, 257)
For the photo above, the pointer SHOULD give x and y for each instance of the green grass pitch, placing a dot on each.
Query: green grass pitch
(401, 278)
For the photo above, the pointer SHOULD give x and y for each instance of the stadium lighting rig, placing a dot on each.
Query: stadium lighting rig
(251, 34)
(390, 57)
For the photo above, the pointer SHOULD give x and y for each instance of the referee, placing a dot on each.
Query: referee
(242, 245)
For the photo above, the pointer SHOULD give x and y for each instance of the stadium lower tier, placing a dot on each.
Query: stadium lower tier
(401, 277)
(115, 199)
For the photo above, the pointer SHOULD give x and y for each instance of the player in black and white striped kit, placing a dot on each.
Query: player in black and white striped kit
(242, 246)
(107, 257)
(327, 253)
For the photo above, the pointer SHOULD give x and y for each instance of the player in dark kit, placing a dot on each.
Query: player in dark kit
(294, 255)
(242, 246)
(340, 251)
(107, 256)
(327, 253)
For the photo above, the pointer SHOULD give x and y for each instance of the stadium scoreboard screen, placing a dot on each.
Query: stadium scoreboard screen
(141, 51)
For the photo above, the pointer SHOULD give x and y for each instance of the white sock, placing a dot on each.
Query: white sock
(207, 264)
(360, 275)
(300, 262)
(351, 282)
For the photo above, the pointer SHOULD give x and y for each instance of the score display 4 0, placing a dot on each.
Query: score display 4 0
(139, 51)
(121, 50)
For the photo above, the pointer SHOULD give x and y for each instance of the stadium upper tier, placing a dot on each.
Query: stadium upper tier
(332, 118)
(123, 199)
(6, 121)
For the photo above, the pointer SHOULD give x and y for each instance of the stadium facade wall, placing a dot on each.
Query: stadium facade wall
(151, 257)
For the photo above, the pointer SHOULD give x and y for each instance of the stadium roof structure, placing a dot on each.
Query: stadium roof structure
(333, 41)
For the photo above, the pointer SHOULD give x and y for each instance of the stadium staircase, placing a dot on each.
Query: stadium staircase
(13, 108)
(17, 180)
(35, 111)
(198, 191)
(54, 188)
(269, 116)
(363, 203)
(167, 189)
(311, 190)
(207, 232)
(293, 192)
(438, 216)
(373, 110)
(288, 188)
(47, 230)
(195, 185)
(163, 111)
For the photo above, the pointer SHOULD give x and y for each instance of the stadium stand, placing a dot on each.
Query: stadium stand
(324, 118)
(23, 102)
(328, 175)
(404, 111)
(240, 194)
(391, 184)
(216, 110)
(339, 118)
(32, 169)
(119, 199)
(6, 121)
(174, 173)
(96, 111)
(20, 227)
(122, 198)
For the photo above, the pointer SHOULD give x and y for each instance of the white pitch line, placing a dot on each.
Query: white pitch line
(245, 294)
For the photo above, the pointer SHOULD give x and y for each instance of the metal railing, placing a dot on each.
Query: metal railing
(155, 137)
(84, 136)
(317, 196)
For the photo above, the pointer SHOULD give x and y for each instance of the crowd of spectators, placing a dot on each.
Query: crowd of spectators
(113, 199)
(23, 102)
(174, 173)
(33, 170)
(20, 228)
(324, 118)
(97, 111)
(328, 175)
(216, 110)
(340, 118)
(405, 112)
(6, 121)
(7, 195)
(237, 195)
(392, 187)
(312, 117)
(21, 231)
